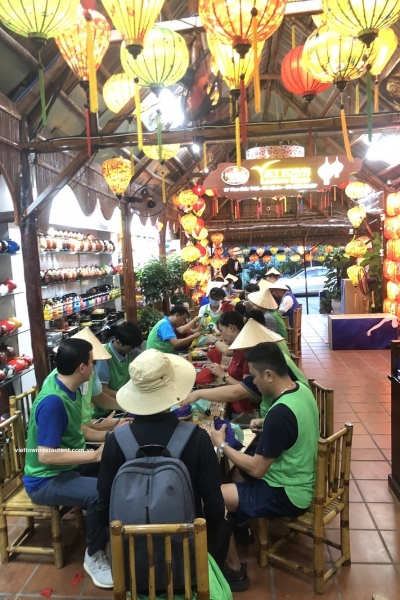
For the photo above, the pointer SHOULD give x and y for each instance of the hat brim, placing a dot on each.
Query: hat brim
(133, 400)
(279, 286)
(99, 352)
(272, 271)
(254, 333)
(263, 299)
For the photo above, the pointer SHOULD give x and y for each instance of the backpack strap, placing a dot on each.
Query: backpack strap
(179, 438)
(126, 441)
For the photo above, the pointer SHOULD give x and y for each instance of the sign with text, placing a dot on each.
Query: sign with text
(263, 178)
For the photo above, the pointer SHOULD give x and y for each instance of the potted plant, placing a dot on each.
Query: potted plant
(160, 278)
(372, 263)
(147, 318)
(337, 270)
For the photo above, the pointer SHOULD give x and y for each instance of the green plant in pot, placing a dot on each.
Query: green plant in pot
(337, 270)
(372, 262)
(147, 318)
(160, 278)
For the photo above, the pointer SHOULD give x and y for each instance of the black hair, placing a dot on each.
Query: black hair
(179, 309)
(252, 287)
(240, 308)
(219, 279)
(231, 318)
(216, 294)
(242, 296)
(129, 334)
(71, 354)
(268, 355)
(255, 314)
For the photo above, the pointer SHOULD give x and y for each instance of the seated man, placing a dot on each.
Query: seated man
(188, 327)
(59, 471)
(157, 382)
(114, 373)
(212, 310)
(163, 336)
(286, 300)
(283, 466)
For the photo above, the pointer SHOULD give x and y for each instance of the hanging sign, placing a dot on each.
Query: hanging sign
(264, 177)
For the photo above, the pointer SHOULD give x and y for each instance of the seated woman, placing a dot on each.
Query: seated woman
(265, 302)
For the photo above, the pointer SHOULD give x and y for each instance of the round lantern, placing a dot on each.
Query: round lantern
(266, 258)
(392, 290)
(356, 215)
(308, 257)
(384, 47)
(204, 260)
(168, 151)
(357, 189)
(190, 278)
(230, 64)
(254, 258)
(354, 272)
(393, 204)
(218, 252)
(362, 19)
(389, 269)
(201, 249)
(260, 251)
(199, 207)
(197, 296)
(201, 235)
(246, 251)
(118, 90)
(300, 249)
(198, 227)
(295, 258)
(190, 253)
(329, 249)
(393, 250)
(297, 79)
(187, 199)
(321, 258)
(217, 238)
(281, 257)
(202, 274)
(333, 57)
(188, 222)
(389, 306)
(117, 172)
(391, 228)
(38, 21)
(133, 19)
(273, 250)
(199, 190)
(355, 248)
(203, 243)
(163, 62)
(217, 263)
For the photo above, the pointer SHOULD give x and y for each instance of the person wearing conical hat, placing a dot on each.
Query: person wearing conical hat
(263, 300)
(286, 300)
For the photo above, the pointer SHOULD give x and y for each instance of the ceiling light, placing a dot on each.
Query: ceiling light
(385, 149)
(196, 148)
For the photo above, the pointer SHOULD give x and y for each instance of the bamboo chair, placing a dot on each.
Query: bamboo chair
(23, 402)
(296, 330)
(331, 498)
(325, 402)
(15, 502)
(295, 359)
(198, 528)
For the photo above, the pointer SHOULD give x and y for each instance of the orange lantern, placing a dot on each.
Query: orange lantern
(392, 290)
(217, 238)
(393, 204)
(308, 257)
(329, 249)
(199, 226)
(389, 269)
(296, 78)
(187, 198)
(393, 249)
(201, 235)
(188, 222)
(254, 258)
(218, 252)
(197, 296)
(190, 253)
(391, 229)
(199, 207)
(390, 307)
(266, 259)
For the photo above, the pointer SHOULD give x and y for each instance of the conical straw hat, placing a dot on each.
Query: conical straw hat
(263, 284)
(272, 271)
(279, 285)
(232, 277)
(263, 299)
(254, 333)
(99, 352)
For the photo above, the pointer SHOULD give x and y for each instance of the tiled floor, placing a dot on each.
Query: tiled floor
(362, 396)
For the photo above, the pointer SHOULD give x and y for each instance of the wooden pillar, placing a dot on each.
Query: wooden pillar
(163, 255)
(127, 264)
(30, 253)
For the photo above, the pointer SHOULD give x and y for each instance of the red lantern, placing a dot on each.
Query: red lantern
(199, 207)
(389, 269)
(199, 190)
(297, 79)
(393, 204)
(198, 227)
(201, 249)
(392, 228)
(218, 252)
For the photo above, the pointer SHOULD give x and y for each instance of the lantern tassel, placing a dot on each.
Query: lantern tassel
(357, 106)
(345, 134)
(163, 192)
(243, 116)
(369, 103)
(355, 296)
(138, 114)
(293, 35)
(334, 193)
(204, 156)
(373, 300)
(376, 95)
(238, 149)
(257, 91)
(41, 91)
(131, 149)
(87, 119)
(94, 101)
(159, 135)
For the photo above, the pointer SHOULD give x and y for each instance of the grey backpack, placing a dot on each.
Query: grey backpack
(153, 490)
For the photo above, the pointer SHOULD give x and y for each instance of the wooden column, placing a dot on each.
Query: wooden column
(163, 254)
(30, 253)
(127, 264)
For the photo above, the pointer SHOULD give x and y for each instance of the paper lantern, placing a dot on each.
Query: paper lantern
(392, 290)
(217, 238)
(354, 272)
(391, 228)
(273, 250)
(197, 296)
(117, 172)
(117, 91)
(355, 248)
(357, 189)
(201, 249)
(393, 249)
(37, 20)
(198, 227)
(187, 199)
(190, 278)
(297, 79)
(260, 251)
(300, 249)
(393, 204)
(390, 307)
(204, 243)
(384, 47)
(217, 263)
(190, 254)
(199, 190)
(361, 18)
(202, 274)
(356, 215)
(199, 207)
(133, 19)
(389, 269)
(295, 258)
(201, 235)
(321, 258)
(188, 222)
(266, 259)
(204, 260)
(329, 249)
(308, 257)
(230, 64)
(163, 62)
(218, 252)
(254, 258)
(246, 251)
(168, 151)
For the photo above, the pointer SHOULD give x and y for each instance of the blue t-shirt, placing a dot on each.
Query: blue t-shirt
(52, 421)
(166, 331)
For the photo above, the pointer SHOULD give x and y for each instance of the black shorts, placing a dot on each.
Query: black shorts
(259, 499)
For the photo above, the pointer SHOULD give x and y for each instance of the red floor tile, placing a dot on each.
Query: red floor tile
(370, 470)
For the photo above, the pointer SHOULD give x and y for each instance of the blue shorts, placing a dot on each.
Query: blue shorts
(259, 499)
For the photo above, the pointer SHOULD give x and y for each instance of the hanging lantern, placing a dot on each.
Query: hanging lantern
(117, 172)
(281, 257)
(190, 253)
(389, 306)
(308, 257)
(300, 249)
(357, 189)
(393, 250)
(389, 269)
(273, 250)
(217, 263)
(133, 19)
(392, 290)
(321, 258)
(266, 259)
(187, 198)
(393, 204)
(202, 274)
(117, 91)
(201, 235)
(197, 296)
(295, 258)
(355, 248)
(246, 251)
(384, 47)
(84, 55)
(231, 65)
(354, 273)
(260, 251)
(240, 259)
(198, 227)
(38, 21)
(204, 260)
(190, 278)
(204, 243)
(254, 258)
(297, 79)
(362, 19)
(199, 207)
(201, 249)
(163, 62)
(329, 249)
(218, 252)
(217, 238)
(188, 222)
(168, 151)
(391, 228)
(199, 190)
(356, 215)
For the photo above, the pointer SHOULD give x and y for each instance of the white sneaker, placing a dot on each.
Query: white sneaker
(98, 567)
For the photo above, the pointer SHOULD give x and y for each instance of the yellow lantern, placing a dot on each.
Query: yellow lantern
(38, 20)
(190, 278)
(393, 204)
(201, 235)
(273, 250)
(204, 260)
(356, 215)
(117, 172)
(204, 243)
(163, 62)
(357, 189)
(190, 253)
(281, 257)
(133, 19)
(189, 222)
(354, 273)
(355, 248)
(187, 199)
(321, 258)
(392, 290)
(217, 263)
(295, 258)
(300, 249)
(361, 18)
(118, 90)
(384, 46)
(168, 151)
(217, 238)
